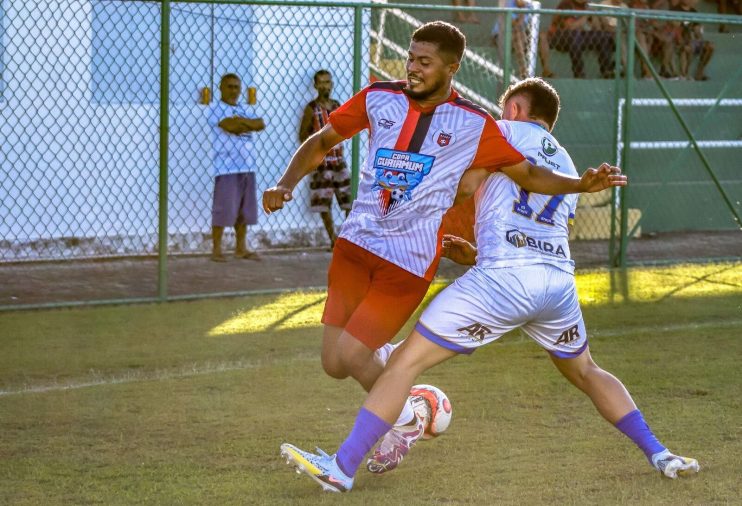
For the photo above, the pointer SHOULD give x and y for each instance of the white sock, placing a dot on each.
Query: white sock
(407, 415)
(382, 354)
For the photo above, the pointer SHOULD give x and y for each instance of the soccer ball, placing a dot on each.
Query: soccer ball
(434, 407)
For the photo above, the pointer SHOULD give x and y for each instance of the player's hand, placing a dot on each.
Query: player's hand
(605, 176)
(459, 250)
(274, 198)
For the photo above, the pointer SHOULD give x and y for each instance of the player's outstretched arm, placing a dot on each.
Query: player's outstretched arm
(459, 250)
(306, 159)
(541, 180)
(605, 176)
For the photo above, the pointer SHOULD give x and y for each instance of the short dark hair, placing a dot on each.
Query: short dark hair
(231, 75)
(446, 36)
(542, 96)
(321, 72)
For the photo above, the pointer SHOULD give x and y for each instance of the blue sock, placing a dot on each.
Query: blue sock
(366, 431)
(636, 429)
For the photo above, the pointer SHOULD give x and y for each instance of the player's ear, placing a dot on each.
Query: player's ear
(453, 67)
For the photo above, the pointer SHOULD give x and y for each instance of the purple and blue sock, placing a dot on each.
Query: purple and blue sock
(367, 429)
(636, 429)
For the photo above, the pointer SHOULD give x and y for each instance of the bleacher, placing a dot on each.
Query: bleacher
(588, 124)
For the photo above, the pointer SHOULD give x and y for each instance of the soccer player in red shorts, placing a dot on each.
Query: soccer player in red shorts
(424, 142)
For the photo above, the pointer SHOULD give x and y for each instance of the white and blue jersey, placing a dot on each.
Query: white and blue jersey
(524, 277)
(515, 227)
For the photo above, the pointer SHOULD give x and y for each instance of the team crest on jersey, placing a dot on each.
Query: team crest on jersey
(443, 138)
(397, 174)
(548, 147)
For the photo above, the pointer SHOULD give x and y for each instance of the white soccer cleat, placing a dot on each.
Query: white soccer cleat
(394, 446)
(321, 467)
(673, 466)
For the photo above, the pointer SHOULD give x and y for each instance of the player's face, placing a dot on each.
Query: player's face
(231, 89)
(428, 72)
(323, 85)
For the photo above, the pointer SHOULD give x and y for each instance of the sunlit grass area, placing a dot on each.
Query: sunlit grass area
(186, 403)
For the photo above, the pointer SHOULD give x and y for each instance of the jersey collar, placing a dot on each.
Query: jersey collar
(413, 103)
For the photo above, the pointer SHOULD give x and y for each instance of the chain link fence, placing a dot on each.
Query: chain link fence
(106, 150)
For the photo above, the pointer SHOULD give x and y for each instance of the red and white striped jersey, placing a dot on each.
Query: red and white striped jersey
(515, 227)
(415, 161)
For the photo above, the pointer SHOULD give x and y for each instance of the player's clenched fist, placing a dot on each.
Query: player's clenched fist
(605, 176)
(274, 197)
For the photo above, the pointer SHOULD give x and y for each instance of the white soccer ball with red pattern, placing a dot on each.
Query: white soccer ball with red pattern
(434, 407)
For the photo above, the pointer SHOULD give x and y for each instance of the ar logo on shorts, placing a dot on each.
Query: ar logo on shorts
(476, 331)
(549, 148)
(568, 335)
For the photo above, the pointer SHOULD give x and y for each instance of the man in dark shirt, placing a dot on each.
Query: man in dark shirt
(575, 35)
(689, 41)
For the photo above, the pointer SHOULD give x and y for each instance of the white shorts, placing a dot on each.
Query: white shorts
(483, 304)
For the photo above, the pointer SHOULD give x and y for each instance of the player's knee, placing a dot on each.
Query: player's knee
(353, 363)
(333, 367)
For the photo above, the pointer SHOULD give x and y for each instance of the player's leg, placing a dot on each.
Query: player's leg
(393, 296)
(348, 281)
(615, 404)
(458, 320)
(607, 393)
(375, 418)
(560, 329)
(384, 403)
(370, 300)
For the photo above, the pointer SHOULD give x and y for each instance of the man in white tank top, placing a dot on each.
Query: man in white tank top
(523, 278)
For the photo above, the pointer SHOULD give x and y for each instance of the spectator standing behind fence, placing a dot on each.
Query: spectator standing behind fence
(575, 35)
(235, 205)
(519, 33)
(332, 176)
(689, 40)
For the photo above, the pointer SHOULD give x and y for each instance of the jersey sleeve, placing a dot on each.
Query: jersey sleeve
(351, 117)
(494, 150)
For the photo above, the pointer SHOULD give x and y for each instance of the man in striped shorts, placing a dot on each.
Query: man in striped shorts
(332, 176)
(425, 143)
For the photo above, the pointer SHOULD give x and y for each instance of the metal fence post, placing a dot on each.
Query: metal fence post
(630, 41)
(616, 135)
(164, 134)
(507, 50)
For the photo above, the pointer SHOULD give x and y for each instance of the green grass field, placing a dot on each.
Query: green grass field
(187, 403)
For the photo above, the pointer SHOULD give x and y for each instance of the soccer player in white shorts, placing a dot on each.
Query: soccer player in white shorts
(524, 277)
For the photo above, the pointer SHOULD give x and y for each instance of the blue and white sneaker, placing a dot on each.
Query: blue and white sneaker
(673, 466)
(322, 468)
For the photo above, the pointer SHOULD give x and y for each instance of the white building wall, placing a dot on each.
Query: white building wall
(74, 166)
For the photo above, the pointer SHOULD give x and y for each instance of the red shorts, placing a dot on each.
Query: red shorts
(371, 298)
